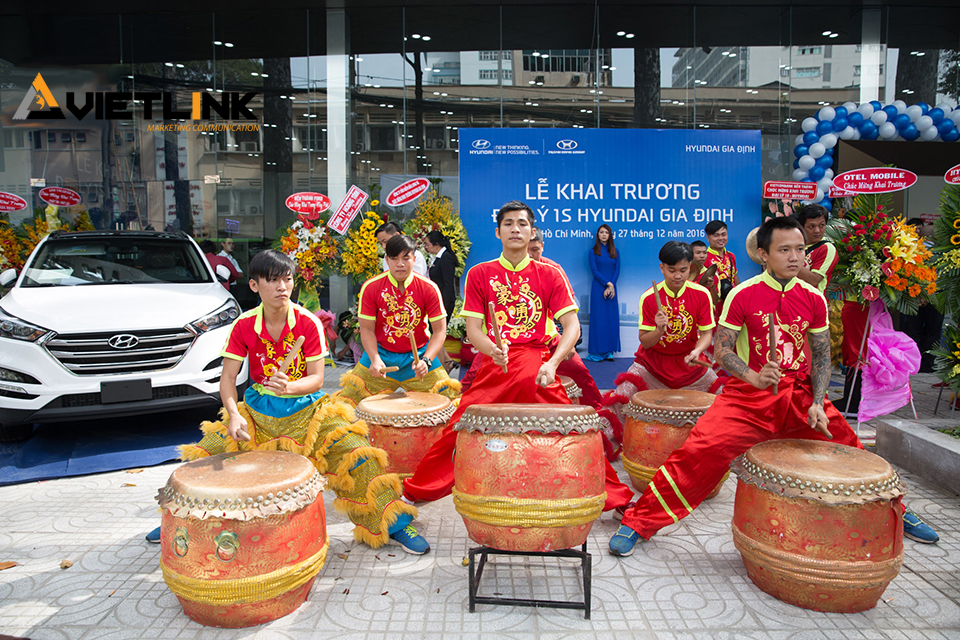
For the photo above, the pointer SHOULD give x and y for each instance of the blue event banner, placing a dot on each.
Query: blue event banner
(649, 185)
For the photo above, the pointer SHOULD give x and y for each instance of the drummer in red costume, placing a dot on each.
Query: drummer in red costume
(525, 293)
(822, 256)
(670, 338)
(726, 276)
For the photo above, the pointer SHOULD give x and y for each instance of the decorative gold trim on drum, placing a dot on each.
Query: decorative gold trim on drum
(814, 571)
(679, 408)
(877, 481)
(430, 416)
(528, 512)
(521, 418)
(675, 417)
(245, 590)
(571, 388)
(638, 471)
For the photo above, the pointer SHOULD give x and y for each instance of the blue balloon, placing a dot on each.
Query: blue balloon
(840, 123)
(924, 106)
(867, 129)
(910, 132)
(825, 162)
(829, 151)
(824, 127)
(806, 180)
(936, 115)
(891, 111)
(816, 172)
(827, 203)
(855, 119)
(796, 163)
(873, 135)
(901, 121)
(951, 136)
(801, 150)
(876, 105)
(841, 112)
(944, 127)
(810, 137)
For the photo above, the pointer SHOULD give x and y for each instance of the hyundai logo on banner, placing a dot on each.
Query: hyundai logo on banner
(567, 145)
(481, 144)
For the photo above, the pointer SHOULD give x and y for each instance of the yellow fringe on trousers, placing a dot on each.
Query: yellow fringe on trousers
(360, 384)
(326, 434)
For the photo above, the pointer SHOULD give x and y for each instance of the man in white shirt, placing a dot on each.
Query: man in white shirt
(386, 231)
(226, 247)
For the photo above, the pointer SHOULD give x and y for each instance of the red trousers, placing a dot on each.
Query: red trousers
(740, 417)
(433, 478)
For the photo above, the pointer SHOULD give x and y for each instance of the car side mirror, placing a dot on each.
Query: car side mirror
(8, 277)
(223, 274)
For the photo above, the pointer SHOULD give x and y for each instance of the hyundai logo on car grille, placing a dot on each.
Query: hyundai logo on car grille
(481, 144)
(567, 145)
(123, 341)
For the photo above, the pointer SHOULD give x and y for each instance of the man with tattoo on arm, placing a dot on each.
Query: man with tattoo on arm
(747, 411)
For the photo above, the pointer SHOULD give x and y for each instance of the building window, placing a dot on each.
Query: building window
(435, 137)
(13, 139)
(51, 136)
(785, 73)
(383, 138)
(248, 141)
(312, 138)
(81, 136)
(806, 51)
(807, 72)
(492, 55)
(65, 137)
(491, 74)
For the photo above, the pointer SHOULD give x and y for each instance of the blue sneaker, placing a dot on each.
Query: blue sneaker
(154, 536)
(623, 541)
(411, 541)
(916, 529)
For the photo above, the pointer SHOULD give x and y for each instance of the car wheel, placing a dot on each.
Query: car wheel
(15, 432)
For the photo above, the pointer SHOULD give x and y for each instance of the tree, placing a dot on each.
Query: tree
(646, 86)
(950, 78)
(918, 73)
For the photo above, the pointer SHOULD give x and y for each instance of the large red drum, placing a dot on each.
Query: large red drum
(529, 477)
(405, 425)
(818, 524)
(656, 423)
(243, 536)
(574, 392)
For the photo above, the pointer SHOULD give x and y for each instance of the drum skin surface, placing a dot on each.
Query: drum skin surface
(818, 524)
(656, 423)
(243, 536)
(405, 425)
(529, 477)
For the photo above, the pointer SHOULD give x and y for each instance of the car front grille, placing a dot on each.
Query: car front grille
(93, 399)
(89, 354)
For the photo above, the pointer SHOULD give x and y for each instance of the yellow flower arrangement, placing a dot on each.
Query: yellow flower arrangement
(11, 249)
(361, 251)
(435, 212)
(946, 249)
(314, 250)
(955, 240)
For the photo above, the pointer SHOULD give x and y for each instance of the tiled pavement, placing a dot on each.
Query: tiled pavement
(688, 582)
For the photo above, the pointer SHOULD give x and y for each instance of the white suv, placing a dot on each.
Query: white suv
(110, 323)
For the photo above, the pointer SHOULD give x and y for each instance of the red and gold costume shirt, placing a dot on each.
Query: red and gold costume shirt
(249, 337)
(690, 311)
(726, 265)
(799, 308)
(397, 314)
(524, 297)
(822, 260)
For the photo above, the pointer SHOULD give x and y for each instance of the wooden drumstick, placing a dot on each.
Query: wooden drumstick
(292, 354)
(700, 363)
(496, 331)
(413, 347)
(773, 339)
(390, 369)
(656, 296)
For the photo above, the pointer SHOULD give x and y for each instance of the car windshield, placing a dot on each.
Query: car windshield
(69, 262)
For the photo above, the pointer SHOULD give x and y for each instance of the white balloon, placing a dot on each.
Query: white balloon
(850, 107)
(945, 106)
(819, 196)
(824, 184)
(829, 140)
(866, 110)
(847, 134)
(914, 112)
(798, 140)
(955, 116)
(878, 117)
(856, 134)
(901, 106)
(799, 174)
(888, 131)
(827, 113)
(929, 134)
(817, 149)
(808, 124)
(924, 122)
(828, 174)
(807, 162)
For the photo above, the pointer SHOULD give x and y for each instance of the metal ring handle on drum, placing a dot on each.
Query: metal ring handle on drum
(181, 542)
(228, 544)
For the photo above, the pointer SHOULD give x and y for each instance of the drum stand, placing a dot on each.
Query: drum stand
(476, 571)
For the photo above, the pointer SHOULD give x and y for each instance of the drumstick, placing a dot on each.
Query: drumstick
(656, 296)
(292, 353)
(496, 331)
(773, 339)
(390, 369)
(413, 347)
(700, 363)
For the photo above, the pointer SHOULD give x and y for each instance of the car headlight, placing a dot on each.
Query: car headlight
(16, 329)
(226, 314)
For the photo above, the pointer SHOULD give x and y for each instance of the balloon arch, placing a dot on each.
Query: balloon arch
(814, 147)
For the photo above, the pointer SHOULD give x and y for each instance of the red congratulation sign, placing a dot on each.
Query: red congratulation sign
(840, 193)
(11, 202)
(347, 210)
(789, 190)
(307, 202)
(952, 176)
(407, 192)
(875, 180)
(60, 196)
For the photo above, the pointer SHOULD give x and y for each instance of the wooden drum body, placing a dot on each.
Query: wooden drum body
(405, 425)
(529, 477)
(657, 423)
(574, 392)
(243, 536)
(818, 524)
